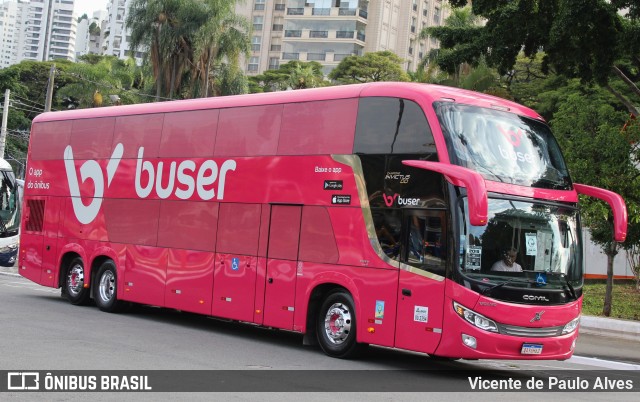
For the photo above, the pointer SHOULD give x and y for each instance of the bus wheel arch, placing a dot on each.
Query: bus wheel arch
(73, 279)
(336, 322)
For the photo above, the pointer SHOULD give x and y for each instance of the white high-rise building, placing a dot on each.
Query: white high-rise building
(117, 35)
(327, 31)
(89, 38)
(10, 25)
(48, 30)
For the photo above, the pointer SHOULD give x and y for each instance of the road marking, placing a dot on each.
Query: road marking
(593, 361)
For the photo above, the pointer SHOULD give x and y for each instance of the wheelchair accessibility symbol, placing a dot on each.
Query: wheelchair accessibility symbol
(235, 264)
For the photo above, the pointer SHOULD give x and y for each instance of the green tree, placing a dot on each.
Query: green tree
(94, 78)
(222, 35)
(291, 75)
(155, 28)
(592, 40)
(372, 67)
(589, 130)
(461, 25)
(230, 80)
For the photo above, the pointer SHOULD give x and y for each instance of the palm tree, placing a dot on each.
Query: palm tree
(222, 35)
(94, 76)
(153, 28)
(459, 19)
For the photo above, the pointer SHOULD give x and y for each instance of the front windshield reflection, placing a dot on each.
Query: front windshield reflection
(503, 146)
(532, 241)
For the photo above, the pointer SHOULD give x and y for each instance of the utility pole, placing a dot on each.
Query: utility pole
(52, 75)
(5, 117)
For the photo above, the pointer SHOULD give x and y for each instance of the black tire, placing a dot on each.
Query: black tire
(73, 286)
(336, 326)
(105, 288)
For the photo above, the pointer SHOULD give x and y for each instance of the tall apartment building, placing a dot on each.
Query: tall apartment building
(10, 25)
(117, 37)
(89, 38)
(396, 25)
(48, 30)
(327, 31)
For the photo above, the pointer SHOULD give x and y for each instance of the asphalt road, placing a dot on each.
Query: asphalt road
(41, 331)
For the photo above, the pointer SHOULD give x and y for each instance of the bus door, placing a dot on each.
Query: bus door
(38, 240)
(282, 261)
(421, 283)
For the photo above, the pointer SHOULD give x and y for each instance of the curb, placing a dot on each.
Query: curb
(610, 327)
(9, 272)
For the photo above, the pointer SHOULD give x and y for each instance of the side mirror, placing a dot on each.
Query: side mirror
(616, 203)
(460, 176)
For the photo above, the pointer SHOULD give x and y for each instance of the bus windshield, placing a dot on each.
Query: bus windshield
(9, 204)
(503, 146)
(523, 242)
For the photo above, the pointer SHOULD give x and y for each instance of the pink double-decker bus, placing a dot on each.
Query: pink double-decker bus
(411, 216)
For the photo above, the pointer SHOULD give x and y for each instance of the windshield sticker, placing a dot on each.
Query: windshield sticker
(532, 243)
(474, 257)
(379, 309)
(541, 278)
(421, 314)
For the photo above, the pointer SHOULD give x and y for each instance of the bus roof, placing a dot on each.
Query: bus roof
(426, 92)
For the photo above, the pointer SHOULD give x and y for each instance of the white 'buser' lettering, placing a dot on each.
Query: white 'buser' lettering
(205, 176)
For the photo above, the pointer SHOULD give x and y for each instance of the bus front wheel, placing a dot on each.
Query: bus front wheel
(336, 326)
(74, 288)
(105, 288)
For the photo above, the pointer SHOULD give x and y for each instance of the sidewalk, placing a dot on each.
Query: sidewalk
(609, 327)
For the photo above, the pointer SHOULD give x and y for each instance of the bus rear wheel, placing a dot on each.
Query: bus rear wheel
(74, 288)
(336, 326)
(105, 288)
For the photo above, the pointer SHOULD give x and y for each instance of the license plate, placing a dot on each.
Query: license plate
(531, 349)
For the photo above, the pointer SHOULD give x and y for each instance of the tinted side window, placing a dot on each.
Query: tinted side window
(392, 126)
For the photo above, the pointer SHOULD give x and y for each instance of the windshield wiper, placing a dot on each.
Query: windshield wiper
(571, 290)
(511, 280)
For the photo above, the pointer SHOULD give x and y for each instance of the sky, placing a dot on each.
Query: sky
(89, 6)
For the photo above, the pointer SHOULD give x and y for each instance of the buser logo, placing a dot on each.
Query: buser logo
(89, 170)
(390, 199)
(191, 179)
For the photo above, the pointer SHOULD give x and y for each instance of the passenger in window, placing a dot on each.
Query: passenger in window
(386, 238)
(508, 262)
(416, 241)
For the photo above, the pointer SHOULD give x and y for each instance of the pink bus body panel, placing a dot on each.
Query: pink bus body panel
(233, 286)
(217, 206)
(497, 346)
(189, 281)
(249, 131)
(131, 131)
(88, 145)
(198, 126)
(145, 274)
(52, 144)
(426, 293)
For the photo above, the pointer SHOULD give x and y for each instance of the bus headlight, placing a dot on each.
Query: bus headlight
(476, 319)
(571, 326)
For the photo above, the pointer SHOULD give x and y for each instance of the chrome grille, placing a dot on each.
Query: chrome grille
(530, 332)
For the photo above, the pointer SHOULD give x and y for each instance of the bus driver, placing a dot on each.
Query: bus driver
(508, 262)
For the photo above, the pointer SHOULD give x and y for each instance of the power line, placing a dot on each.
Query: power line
(26, 105)
(25, 110)
(28, 100)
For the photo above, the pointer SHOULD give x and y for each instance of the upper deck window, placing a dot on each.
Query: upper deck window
(392, 126)
(503, 146)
